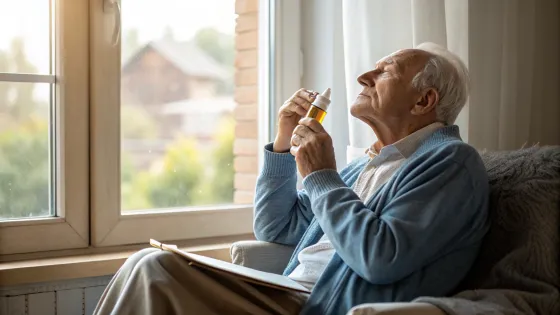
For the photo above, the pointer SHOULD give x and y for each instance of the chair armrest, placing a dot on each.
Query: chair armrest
(261, 256)
(271, 257)
(412, 308)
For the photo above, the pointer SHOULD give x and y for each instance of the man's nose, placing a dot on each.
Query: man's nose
(367, 79)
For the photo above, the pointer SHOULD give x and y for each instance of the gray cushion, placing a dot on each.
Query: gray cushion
(263, 256)
(517, 271)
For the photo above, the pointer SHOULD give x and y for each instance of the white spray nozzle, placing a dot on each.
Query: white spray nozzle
(323, 100)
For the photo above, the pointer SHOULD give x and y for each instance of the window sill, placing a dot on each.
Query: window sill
(93, 263)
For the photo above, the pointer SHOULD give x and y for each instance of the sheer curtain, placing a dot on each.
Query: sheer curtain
(510, 46)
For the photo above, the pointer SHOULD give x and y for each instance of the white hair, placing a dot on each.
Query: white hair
(445, 72)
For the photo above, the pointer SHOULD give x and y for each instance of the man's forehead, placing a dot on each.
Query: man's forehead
(401, 57)
(397, 55)
(387, 59)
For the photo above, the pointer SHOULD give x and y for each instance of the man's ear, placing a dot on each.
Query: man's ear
(426, 102)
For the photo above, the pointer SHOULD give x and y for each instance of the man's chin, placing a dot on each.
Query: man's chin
(363, 112)
(358, 109)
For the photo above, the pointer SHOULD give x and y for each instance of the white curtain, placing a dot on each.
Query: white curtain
(511, 47)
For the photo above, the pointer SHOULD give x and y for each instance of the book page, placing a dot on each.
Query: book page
(247, 274)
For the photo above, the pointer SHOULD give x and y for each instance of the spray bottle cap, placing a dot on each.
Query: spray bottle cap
(323, 100)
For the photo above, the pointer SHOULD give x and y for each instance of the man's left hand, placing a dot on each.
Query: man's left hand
(312, 146)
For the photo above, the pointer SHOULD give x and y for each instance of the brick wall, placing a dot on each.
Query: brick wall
(245, 146)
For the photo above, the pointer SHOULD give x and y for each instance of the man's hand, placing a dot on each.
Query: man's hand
(288, 116)
(312, 146)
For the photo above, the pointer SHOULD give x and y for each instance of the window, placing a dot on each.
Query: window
(120, 123)
(25, 114)
(177, 102)
(174, 121)
(43, 126)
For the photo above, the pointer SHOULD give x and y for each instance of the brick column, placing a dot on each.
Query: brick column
(245, 146)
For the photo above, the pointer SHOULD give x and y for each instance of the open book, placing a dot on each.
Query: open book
(247, 274)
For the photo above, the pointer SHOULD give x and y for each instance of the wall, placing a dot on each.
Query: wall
(246, 95)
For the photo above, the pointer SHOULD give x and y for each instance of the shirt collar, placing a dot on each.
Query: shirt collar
(405, 146)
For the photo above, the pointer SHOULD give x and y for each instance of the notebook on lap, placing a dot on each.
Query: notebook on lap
(247, 274)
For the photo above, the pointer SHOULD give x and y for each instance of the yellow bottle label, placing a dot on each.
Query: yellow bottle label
(316, 113)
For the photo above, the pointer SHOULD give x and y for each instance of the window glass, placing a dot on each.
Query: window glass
(25, 36)
(177, 103)
(26, 175)
(24, 150)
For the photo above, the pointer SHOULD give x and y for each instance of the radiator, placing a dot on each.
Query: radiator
(73, 297)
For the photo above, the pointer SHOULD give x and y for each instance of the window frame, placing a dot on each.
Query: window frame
(69, 229)
(286, 56)
(282, 74)
(109, 227)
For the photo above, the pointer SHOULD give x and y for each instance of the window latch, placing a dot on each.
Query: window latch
(114, 6)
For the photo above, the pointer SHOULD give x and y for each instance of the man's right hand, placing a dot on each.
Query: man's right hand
(288, 117)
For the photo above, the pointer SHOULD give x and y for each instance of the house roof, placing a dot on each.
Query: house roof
(186, 56)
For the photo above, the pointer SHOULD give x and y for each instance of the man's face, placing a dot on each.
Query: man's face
(387, 92)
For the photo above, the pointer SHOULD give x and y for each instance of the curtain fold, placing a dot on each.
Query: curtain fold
(510, 46)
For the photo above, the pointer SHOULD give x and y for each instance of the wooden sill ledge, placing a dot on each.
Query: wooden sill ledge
(91, 264)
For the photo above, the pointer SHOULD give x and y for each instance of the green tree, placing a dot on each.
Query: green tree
(24, 170)
(134, 185)
(24, 141)
(127, 168)
(221, 47)
(216, 187)
(218, 45)
(183, 179)
(222, 179)
(136, 123)
(175, 184)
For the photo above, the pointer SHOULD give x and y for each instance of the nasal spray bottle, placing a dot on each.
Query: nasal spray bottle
(319, 107)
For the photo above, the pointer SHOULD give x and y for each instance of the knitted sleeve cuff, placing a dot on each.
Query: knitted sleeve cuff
(277, 164)
(321, 182)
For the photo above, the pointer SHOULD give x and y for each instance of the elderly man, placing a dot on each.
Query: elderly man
(403, 221)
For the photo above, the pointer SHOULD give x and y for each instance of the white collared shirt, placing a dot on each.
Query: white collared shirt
(314, 259)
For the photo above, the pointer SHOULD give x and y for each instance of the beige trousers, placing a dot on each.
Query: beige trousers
(158, 282)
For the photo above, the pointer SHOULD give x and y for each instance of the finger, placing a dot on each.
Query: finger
(302, 131)
(295, 140)
(298, 105)
(302, 102)
(312, 124)
(294, 150)
(299, 110)
(291, 107)
(308, 95)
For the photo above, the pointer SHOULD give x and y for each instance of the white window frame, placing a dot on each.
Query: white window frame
(280, 53)
(109, 226)
(70, 228)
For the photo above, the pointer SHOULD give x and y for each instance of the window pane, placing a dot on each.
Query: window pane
(25, 36)
(24, 150)
(177, 103)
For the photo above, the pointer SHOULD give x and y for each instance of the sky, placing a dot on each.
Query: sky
(29, 19)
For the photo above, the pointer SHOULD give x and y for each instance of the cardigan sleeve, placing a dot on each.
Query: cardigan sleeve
(281, 213)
